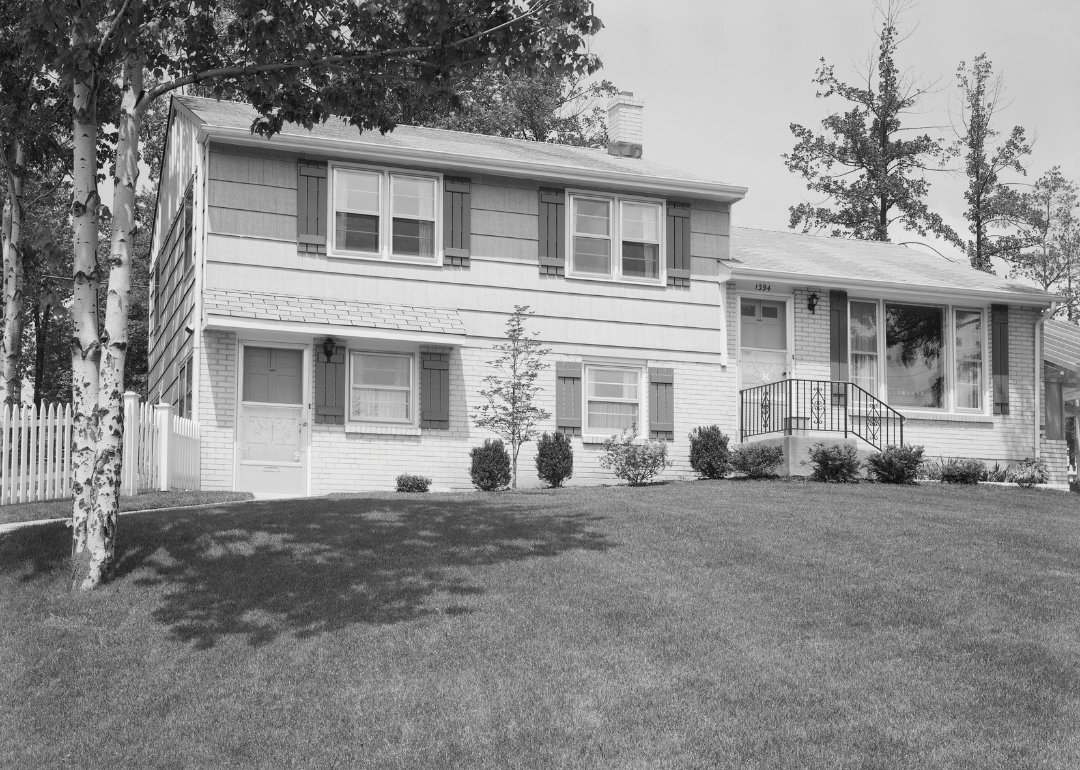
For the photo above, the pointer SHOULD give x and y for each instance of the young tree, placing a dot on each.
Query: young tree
(295, 61)
(511, 411)
(985, 196)
(862, 163)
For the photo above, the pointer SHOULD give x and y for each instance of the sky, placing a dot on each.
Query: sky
(722, 80)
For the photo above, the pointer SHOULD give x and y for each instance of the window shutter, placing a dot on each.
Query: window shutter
(678, 244)
(457, 221)
(312, 202)
(838, 335)
(435, 388)
(999, 350)
(568, 397)
(552, 232)
(662, 403)
(330, 386)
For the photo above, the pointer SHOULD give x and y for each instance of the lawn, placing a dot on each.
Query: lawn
(145, 501)
(695, 625)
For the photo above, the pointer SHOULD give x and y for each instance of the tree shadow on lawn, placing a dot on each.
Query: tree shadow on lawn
(312, 566)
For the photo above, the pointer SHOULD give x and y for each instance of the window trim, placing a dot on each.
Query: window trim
(615, 204)
(642, 399)
(414, 394)
(386, 214)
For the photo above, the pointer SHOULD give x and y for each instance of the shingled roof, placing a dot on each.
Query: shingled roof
(1061, 344)
(844, 261)
(371, 315)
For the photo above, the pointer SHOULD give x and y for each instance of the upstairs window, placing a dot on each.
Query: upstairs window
(640, 240)
(414, 216)
(616, 239)
(592, 236)
(357, 209)
(379, 214)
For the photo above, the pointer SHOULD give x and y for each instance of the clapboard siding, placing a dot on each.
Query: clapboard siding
(505, 248)
(512, 200)
(705, 245)
(172, 309)
(252, 197)
(709, 222)
(504, 224)
(253, 224)
(251, 166)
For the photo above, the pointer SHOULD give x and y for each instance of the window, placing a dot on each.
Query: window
(915, 356)
(969, 359)
(623, 245)
(379, 213)
(864, 345)
(381, 387)
(183, 402)
(612, 400)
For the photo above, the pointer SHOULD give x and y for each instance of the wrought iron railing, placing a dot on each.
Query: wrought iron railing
(791, 406)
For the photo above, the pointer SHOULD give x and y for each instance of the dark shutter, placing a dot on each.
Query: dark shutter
(838, 335)
(662, 403)
(552, 232)
(999, 356)
(568, 397)
(457, 221)
(678, 244)
(435, 388)
(312, 202)
(1055, 410)
(330, 394)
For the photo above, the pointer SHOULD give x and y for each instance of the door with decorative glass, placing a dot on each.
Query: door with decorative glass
(272, 454)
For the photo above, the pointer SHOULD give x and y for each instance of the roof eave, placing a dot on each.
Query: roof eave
(544, 172)
(1008, 297)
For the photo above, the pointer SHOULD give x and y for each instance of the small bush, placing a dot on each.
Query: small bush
(838, 464)
(757, 461)
(1028, 473)
(961, 470)
(635, 463)
(408, 483)
(896, 465)
(490, 465)
(709, 453)
(554, 458)
(997, 473)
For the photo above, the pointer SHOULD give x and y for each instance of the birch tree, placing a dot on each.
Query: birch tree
(295, 61)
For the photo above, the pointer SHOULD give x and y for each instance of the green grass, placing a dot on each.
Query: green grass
(146, 501)
(704, 625)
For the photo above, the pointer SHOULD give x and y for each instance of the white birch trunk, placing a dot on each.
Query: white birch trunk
(101, 528)
(14, 279)
(84, 343)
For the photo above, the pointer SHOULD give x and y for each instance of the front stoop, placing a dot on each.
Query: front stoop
(797, 450)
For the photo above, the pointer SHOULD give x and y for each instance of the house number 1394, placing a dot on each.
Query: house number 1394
(763, 287)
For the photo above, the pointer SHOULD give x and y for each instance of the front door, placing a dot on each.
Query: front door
(272, 455)
(763, 349)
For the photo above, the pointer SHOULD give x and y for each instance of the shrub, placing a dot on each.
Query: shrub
(896, 465)
(408, 483)
(836, 463)
(490, 465)
(554, 458)
(635, 463)
(961, 470)
(757, 461)
(709, 453)
(1028, 473)
(997, 473)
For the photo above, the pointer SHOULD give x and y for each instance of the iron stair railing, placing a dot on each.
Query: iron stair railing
(788, 406)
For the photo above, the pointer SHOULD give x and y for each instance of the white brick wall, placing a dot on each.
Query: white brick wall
(812, 356)
(217, 407)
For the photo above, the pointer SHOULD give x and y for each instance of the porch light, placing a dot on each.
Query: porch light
(328, 348)
(811, 303)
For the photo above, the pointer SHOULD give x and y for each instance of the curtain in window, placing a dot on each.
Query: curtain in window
(864, 345)
(612, 397)
(381, 387)
(969, 359)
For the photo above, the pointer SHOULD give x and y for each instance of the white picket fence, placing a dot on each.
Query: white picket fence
(160, 451)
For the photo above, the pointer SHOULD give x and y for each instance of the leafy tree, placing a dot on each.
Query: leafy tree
(295, 61)
(986, 197)
(511, 411)
(868, 172)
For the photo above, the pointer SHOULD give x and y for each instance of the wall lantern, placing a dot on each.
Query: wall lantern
(811, 303)
(329, 347)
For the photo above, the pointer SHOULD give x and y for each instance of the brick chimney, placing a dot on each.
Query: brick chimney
(624, 125)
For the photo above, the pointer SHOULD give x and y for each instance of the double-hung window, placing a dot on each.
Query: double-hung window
(381, 213)
(615, 238)
(864, 345)
(612, 401)
(381, 387)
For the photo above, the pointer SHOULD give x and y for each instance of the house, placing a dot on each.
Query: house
(324, 305)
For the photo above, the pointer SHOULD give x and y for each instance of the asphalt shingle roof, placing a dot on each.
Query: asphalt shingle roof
(847, 260)
(1061, 344)
(283, 307)
(236, 115)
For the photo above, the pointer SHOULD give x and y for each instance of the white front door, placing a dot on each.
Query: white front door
(763, 348)
(272, 456)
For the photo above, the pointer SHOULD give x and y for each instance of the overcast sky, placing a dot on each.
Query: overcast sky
(723, 79)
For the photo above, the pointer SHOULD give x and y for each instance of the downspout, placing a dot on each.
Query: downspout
(1039, 323)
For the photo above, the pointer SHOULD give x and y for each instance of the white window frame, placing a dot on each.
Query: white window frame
(642, 401)
(386, 214)
(414, 395)
(615, 204)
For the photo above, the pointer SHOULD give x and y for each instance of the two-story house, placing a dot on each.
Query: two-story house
(324, 305)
